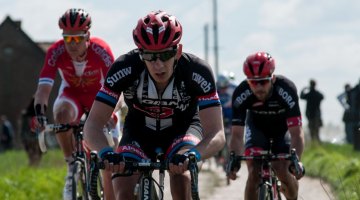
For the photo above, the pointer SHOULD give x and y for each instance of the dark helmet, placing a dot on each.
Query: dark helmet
(75, 19)
(259, 65)
(157, 30)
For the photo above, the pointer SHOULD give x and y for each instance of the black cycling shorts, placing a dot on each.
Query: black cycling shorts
(147, 143)
(259, 139)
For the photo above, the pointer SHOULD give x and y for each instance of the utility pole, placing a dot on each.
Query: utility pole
(206, 42)
(216, 53)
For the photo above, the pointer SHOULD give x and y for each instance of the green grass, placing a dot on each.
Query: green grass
(339, 165)
(20, 182)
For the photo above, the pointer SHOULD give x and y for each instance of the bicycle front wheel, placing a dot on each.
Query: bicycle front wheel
(265, 192)
(79, 190)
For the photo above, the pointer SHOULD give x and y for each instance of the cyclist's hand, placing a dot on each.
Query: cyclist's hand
(232, 167)
(40, 116)
(178, 164)
(113, 162)
(300, 166)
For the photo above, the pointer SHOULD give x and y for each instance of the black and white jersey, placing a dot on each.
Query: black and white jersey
(191, 88)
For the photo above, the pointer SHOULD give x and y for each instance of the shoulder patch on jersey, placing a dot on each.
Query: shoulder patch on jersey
(115, 77)
(242, 97)
(286, 97)
(55, 53)
(102, 53)
(202, 82)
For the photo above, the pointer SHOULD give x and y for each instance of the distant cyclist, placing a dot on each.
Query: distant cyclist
(82, 62)
(172, 104)
(266, 106)
(225, 89)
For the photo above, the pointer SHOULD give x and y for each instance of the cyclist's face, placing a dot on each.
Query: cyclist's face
(75, 43)
(160, 67)
(262, 89)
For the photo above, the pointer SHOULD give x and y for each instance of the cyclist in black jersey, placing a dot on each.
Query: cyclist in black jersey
(266, 106)
(172, 104)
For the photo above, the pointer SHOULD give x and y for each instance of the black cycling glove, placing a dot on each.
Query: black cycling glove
(40, 116)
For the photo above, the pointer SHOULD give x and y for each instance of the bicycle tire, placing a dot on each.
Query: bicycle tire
(264, 192)
(79, 189)
(96, 185)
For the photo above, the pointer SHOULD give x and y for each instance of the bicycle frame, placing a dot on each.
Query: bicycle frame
(269, 188)
(81, 162)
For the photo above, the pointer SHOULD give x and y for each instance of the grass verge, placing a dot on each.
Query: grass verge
(338, 165)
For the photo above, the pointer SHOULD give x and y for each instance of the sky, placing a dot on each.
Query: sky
(318, 40)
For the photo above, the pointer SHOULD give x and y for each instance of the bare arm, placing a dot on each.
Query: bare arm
(42, 95)
(214, 136)
(93, 129)
(237, 140)
(297, 139)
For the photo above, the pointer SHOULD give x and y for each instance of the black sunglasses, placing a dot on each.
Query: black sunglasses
(163, 56)
(259, 81)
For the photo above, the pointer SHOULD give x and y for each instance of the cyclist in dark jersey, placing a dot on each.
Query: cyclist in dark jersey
(172, 104)
(266, 106)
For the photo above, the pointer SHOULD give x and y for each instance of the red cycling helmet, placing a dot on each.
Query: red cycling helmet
(75, 19)
(259, 65)
(157, 30)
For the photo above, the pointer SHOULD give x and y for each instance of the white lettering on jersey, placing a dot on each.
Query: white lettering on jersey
(288, 99)
(205, 85)
(242, 97)
(102, 53)
(118, 75)
(55, 53)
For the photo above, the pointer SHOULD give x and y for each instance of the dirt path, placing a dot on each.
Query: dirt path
(310, 189)
(212, 186)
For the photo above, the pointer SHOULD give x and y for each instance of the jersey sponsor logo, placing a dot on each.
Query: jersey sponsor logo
(269, 112)
(287, 97)
(187, 138)
(204, 84)
(294, 121)
(109, 92)
(162, 102)
(132, 149)
(91, 73)
(55, 53)
(210, 97)
(102, 53)
(242, 97)
(156, 111)
(111, 80)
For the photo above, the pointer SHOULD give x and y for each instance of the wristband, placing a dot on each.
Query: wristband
(105, 150)
(197, 153)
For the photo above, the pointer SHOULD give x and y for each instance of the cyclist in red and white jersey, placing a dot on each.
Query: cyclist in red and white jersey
(266, 106)
(82, 62)
(172, 105)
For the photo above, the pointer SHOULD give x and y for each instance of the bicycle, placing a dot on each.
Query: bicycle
(81, 167)
(145, 188)
(269, 187)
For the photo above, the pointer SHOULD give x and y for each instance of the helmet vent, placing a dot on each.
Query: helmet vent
(166, 35)
(155, 32)
(261, 67)
(144, 36)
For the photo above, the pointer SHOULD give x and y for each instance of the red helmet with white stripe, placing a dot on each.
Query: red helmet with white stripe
(259, 65)
(75, 19)
(156, 31)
